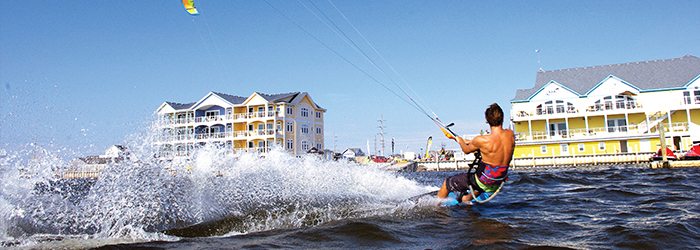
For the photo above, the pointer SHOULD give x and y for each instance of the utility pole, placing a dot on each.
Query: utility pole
(381, 132)
(375, 145)
(392, 146)
(335, 141)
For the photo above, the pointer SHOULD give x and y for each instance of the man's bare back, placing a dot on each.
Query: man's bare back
(496, 148)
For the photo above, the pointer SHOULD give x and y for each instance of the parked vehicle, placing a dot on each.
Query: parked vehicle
(379, 159)
(693, 153)
(669, 155)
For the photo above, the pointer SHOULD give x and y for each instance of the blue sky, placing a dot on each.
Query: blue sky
(86, 74)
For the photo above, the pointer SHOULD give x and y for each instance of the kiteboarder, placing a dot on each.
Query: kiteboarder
(496, 150)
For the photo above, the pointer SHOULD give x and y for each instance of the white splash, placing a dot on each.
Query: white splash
(136, 199)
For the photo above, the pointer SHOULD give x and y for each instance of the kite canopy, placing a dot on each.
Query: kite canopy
(189, 6)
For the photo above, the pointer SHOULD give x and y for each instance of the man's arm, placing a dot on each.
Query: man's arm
(467, 146)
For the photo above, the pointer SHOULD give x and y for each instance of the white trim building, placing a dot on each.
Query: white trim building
(609, 109)
(243, 124)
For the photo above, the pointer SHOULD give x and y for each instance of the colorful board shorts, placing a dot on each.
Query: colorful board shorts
(488, 181)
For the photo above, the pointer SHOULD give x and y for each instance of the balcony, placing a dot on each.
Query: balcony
(252, 150)
(687, 100)
(596, 132)
(617, 105)
(211, 118)
(263, 114)
(217, 135)
(175, 121)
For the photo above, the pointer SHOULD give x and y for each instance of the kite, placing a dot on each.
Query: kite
(189, 6)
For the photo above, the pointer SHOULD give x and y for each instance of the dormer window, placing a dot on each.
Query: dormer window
(688, 97)
(616, 102)
(555, 106)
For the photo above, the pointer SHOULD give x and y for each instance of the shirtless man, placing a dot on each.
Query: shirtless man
(496, 151)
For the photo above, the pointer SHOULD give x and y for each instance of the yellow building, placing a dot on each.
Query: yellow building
(254, 123)
(609, 109)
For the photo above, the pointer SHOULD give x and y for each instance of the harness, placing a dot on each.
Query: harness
(477, 162)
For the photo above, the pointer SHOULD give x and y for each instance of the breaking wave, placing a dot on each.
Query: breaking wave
(215, 193)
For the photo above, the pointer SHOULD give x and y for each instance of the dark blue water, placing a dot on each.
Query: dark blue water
(600, 207)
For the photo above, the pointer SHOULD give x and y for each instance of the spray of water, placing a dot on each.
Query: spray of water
(146, 198)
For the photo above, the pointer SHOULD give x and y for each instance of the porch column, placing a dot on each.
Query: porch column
(547, 128)
(568, 129)
(647, 117)
(670, 127)
(529, 127)
(605, 122)
(585, 117)
(627, 121)
(274, 122)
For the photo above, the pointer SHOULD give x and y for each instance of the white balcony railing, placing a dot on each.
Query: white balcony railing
(554, 110)
(595, 132)
(165, 121)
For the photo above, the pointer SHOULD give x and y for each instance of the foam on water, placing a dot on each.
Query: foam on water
(138, 198)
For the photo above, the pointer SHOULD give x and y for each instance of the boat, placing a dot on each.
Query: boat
(669, 155)
(693, 153)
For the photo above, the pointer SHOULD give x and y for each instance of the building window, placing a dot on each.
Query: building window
(581, 147)
(290, 126)
(615, 102)
(318, 146)
(686, 97)
(617, 125)
(261, 144)
(318, 130)
(557, 129)
(601, 146)
(697, 97)
(543, 149)
(318, 114)
(212, 113)
(251, 144)
(290, 144)
(304, 112)
(304, 146)
(290, 110)
(556, 106)
(261, 127)
(305, 129)
(564, 148)
(214, 130)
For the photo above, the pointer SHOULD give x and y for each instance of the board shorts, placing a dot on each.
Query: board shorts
(460, 183)
(488, 181)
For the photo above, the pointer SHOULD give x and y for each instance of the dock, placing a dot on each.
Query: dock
(636, 159)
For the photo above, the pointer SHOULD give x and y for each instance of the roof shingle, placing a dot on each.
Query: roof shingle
(646, 75)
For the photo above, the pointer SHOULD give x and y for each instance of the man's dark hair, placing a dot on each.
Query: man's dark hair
(494, 115)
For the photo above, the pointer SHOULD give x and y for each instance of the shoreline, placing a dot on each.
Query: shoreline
(463, 165)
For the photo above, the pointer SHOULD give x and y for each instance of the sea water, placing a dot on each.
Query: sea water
(225, 200)
(144, 198)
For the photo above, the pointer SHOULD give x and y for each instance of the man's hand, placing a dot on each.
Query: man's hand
(448, 134)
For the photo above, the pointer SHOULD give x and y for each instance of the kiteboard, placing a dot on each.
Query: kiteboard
(449, 201)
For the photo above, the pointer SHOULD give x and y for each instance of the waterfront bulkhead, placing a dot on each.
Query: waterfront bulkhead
(609, 109)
